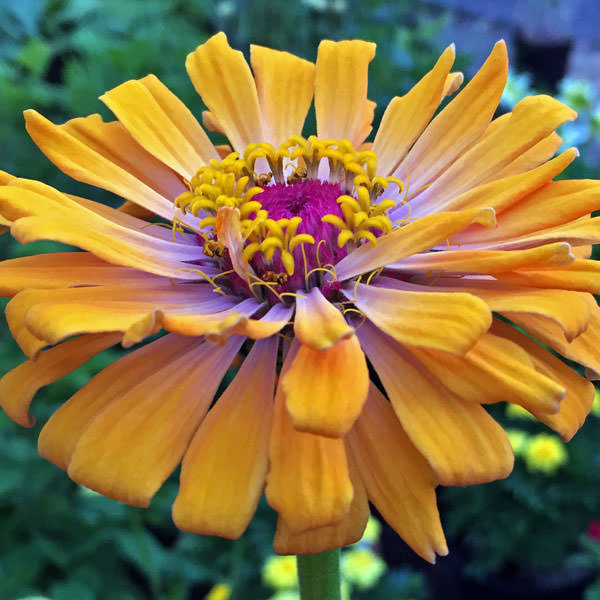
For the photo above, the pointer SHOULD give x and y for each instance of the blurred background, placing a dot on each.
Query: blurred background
(534, 535)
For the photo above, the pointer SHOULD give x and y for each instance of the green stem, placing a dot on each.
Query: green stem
(319, 575)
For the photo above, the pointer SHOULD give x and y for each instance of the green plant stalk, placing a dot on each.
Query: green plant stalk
(319, 575)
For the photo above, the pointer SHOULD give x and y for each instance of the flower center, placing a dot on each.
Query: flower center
(297, 219)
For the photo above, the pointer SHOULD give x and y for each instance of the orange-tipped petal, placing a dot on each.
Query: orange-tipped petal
(325, 390)
(461, 442)
(398, 480)
(341, 75)
(224, 469)
(135, 441)
(452, 322)
(348, 531)
(285, 85)
(308, 482)
(161, 124)
(494, 370)
(406, 116)
(318, 323)
(223, 79)
(577, 403)
(422, 234)
(19, 386)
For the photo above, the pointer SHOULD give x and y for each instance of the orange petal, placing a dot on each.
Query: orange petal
(532, 119)
(60, 434)
(133, 444)
(422, 234)
(271, 323)
(318, 323)
(105, 155)
(398, 480)
(571, 310)
(285, 85)
(487, 261)
(215, 325)
(461, 442)
(325, 390)
(53, 315)
(452, 322)
(406, 116)
(577, 403)
(460, 123)
(224, 469)
(223, 79)
(19, 386)
(494, 370)
(500, 194)
(161, 124)
(341, 76)
(583, 349)
(65, 269)
(59, 218)
(348, 531)
(308, 482)
(581, 275)
(537, 155)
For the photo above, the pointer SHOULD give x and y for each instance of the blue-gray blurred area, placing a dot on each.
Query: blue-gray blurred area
(63, 542)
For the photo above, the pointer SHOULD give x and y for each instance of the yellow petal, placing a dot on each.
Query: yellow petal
(63, 270)
(487, 261)
(510, 190)
(271, 323)
(577, 403)
(223, 79)
(398, 480)
(325, 390)
(19, 386)
(318, 323)
(583, 349)
(537, 155)
(105, 155)
(581, 275)
(571, 310)
(348, 531)
(161, 124)
(341, 77)
(308, 482)
(285, 85)
(218, 324)
(459, 124)
(422, 234)
(60, 434)
(494, 370)
(134, 443)
(224, 469)
(461, 442)
(406, 116)
(452, 322)
(532, 119)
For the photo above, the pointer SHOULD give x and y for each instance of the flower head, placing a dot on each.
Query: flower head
(545, 453)
(300, 257)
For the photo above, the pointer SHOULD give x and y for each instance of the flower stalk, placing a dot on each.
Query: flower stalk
(319, 575)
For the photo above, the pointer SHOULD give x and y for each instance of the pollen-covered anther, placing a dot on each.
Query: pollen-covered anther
(270, 236)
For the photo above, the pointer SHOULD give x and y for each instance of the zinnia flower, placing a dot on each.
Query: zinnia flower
(306, 257)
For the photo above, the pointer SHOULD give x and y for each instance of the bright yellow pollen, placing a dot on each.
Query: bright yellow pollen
(233, 182)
